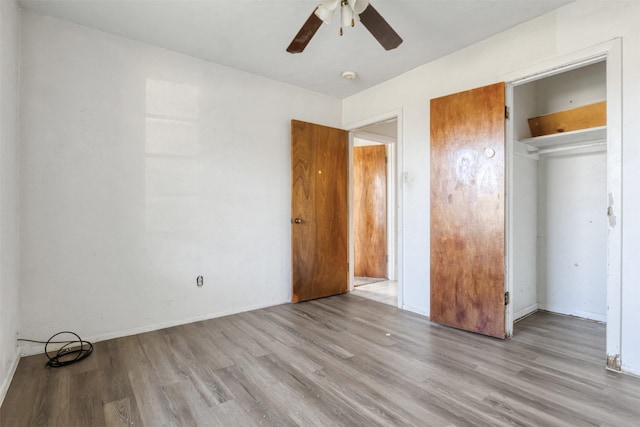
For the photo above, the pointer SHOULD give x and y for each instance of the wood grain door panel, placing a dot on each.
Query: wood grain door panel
(370, 211)
(467, 210)
(319, 242)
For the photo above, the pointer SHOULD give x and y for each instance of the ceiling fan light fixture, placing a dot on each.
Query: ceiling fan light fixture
(330, 4)
(358, 6)
(324, 14)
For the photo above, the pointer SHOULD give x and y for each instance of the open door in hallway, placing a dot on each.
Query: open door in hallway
(467, 210)
(370, 210)
(319, 218)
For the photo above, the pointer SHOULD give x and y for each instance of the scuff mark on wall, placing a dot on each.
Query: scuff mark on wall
(612, 217)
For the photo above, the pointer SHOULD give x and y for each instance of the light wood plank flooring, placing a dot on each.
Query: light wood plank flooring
(385, 291)
(342, 360)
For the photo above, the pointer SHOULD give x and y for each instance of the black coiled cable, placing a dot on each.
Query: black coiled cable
(71, 352)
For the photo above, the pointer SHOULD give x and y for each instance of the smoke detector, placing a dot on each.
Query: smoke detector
(349, 75)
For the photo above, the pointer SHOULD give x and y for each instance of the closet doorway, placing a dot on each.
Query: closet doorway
(564, 193)
(560, 198)
(373, 201)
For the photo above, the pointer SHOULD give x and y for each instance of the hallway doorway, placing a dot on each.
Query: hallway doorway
(374, 214)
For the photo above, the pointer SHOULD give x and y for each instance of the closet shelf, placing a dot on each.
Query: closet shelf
(582, 136)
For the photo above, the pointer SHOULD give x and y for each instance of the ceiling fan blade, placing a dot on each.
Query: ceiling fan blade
(379, 28)
(302, 39)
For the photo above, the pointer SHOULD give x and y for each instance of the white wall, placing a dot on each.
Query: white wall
(525, 239)
(8, 193)
(573, 234)
(524, 217)
(575, 88)
(142, 169)
(574, 27)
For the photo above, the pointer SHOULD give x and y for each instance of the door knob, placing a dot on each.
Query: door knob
(298, 221)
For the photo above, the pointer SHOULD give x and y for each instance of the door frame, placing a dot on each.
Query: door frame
(611, 52)
(395, 160)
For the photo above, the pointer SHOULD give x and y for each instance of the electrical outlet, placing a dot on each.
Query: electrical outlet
(68, 348)
(200, 281)
(55, 347)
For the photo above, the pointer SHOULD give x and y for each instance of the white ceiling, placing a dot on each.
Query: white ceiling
(252, 35)
(388, 128)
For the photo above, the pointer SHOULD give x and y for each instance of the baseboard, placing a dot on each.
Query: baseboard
(524, 312)
(415, 310)
(577, 313)
(630, 370)
(30, 349)
(7, 381)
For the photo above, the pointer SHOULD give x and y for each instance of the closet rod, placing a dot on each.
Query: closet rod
(566, 148)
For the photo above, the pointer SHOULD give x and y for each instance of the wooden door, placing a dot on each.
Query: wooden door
(370, 210)
(319, 240)
(467, 210)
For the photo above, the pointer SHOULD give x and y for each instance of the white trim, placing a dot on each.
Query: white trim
(394, 114)
(416, 310)
(592, 146)
(389, 115)
(399, 210)
(361, 138)
(392, 190)
(509, 196)
(575, 313)
(614, 190)
(629, 370)
(611, 51)
(383, 139)
(523, 312)
(350, 225)
(560, 64)
(7, 381)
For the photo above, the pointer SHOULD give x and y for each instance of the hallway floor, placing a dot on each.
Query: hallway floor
(385, 292)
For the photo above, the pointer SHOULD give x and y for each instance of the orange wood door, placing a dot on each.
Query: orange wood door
(319, 241)
(467, 210)
(370, 210)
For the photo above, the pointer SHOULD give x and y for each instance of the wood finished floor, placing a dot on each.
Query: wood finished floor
(385, 291)
(342, 360)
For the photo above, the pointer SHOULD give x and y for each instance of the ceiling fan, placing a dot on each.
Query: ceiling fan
(350, 10)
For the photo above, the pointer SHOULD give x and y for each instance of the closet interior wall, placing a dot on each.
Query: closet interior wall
(559, 205)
